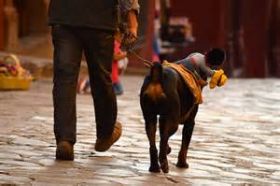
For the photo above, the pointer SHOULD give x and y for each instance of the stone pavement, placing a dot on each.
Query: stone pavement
(235, 142)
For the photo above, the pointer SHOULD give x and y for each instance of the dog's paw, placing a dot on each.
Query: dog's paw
(164, 167)
(182, 164)
(154, 168)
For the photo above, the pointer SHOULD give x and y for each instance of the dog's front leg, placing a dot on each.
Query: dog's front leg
(151, 133)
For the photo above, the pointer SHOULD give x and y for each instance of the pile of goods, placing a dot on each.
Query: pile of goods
(12, 75)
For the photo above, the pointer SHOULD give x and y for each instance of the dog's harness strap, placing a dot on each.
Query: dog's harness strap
(189, 80)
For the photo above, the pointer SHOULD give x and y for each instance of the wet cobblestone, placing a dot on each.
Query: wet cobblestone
(235, 142)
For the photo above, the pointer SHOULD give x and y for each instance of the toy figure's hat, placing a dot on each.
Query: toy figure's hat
(215, 56)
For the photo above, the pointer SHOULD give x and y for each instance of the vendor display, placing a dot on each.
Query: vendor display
(12, 75)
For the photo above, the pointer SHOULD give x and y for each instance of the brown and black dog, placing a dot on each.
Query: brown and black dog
(165, 94)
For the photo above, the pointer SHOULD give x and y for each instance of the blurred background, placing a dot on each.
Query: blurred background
(249, 30)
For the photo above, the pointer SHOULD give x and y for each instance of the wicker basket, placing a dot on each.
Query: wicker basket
(14, 82)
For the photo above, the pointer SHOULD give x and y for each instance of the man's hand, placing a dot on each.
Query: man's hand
(130, 35)
(128, 41)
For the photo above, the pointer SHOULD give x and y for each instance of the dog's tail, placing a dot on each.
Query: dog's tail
(155, 90)
(156, 73)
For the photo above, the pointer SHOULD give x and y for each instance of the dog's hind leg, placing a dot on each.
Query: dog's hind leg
(186, 138)
(151, 128)
(167, 128)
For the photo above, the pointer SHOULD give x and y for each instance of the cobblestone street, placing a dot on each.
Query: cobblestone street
(236, 140)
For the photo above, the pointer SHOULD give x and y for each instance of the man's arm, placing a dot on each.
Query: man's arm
(132, 22)
(131, 10)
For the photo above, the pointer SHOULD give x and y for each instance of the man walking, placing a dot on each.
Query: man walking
(86, 26)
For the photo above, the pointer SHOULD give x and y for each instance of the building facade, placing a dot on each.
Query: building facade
(21, 18)
(28, 18)
(248, 29)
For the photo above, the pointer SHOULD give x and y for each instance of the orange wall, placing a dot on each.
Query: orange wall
(211, 21)
(1, 25)
(255, 21)
(207, 19)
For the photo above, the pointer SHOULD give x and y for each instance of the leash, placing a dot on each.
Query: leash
(146, 62)
(137, 45)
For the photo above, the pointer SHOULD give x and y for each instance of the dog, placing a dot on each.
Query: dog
(165, 94)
